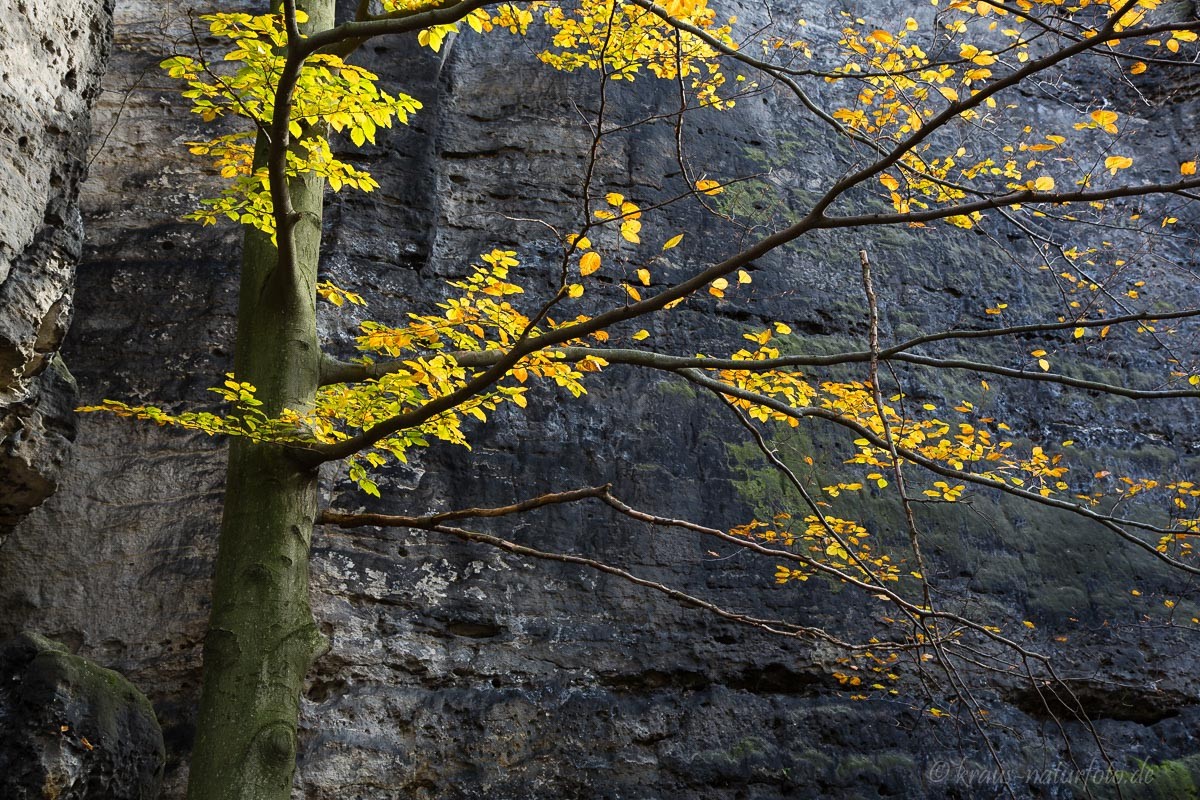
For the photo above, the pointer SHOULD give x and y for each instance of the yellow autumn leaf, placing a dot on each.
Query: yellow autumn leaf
(1187, 168)
(1106, 120)
(644, 276)
(640, 335)
(1044, 184)
(1114, 163)
(1079, 332)
(709, 186)
(589, 263)
(630, 229)
(632, 292)
(1044, 364)
(743, 276)
(1138, 68)
(614, 199)
(575, 290)
(674, 240)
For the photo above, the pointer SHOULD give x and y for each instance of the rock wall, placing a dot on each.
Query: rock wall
(457, 672)
(51, 62)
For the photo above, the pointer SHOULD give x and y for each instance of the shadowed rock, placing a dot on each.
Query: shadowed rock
(72, 730)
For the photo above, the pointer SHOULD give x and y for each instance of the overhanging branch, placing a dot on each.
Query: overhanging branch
(436, 524)
(334, 371)
(346, 520)
(1115, 524)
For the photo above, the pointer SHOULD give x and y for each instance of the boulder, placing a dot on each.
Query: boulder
(73, 730)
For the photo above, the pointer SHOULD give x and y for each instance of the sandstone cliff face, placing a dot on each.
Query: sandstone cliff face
(51, 62)
(456, 672)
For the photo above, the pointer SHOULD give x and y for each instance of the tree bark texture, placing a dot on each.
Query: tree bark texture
(262, 639)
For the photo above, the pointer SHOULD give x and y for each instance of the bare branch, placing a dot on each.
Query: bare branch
(777, 627)
(914, 536)
(605, 495)
(882, 592)
(345, 520)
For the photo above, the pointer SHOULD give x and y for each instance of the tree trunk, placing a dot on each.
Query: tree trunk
(261, 638)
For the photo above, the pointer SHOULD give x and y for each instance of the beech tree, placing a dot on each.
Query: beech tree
(924, 109)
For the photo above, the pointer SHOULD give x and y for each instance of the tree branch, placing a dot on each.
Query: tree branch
(604, 494)
(348, 36)
(777, 627)
(316, 454)
(1112, 523)
(278, 144)
(882, 592)
(451, 12)
(344, 372)
(345, 520)
(976, 98)
(1021, 197)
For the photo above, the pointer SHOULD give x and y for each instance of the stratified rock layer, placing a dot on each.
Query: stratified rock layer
(456, 672)
(52, 57)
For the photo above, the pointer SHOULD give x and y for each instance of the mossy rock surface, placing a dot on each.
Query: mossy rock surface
(1178, 779)
(72, 730)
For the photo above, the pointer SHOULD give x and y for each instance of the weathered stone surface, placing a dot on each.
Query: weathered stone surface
(52, 57)
(457, 672)
(40, 429)
(70, 730)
